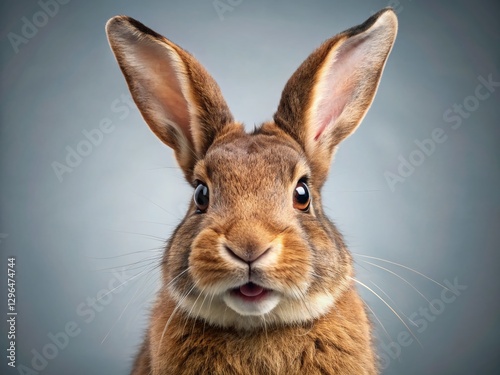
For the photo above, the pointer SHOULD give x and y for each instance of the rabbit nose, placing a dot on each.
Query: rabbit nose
(248, 256)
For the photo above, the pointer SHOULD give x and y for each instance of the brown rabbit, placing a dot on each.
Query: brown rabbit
(256, 279)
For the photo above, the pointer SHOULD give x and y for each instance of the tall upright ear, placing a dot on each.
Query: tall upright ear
(327, 97)
(178, 99)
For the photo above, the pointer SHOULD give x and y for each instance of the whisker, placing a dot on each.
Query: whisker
(405, 267)
(128, 267)
(398, 276)
(177, 306)
(176, 277)
(125, 282)
(157, 205)
(154, 249)
(153, 263)
(199, 310)
(149, 236)
(189, 316)
(265, 326)
(389, 306)
(394, 303)
(379, 321)
(126, 306)
(165, 287)
(157, 222)
(209, 306)
(146, 300)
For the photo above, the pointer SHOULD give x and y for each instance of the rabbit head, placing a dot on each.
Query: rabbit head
(255, 247)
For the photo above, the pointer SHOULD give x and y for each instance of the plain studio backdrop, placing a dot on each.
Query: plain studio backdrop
(89, 195)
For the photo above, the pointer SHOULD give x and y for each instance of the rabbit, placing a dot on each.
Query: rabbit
(256, 279)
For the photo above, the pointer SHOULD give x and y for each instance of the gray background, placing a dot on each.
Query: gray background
(120, 203)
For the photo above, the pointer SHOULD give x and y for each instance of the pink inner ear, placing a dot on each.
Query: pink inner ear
(161, 89)
(327, 113)
(338, 82)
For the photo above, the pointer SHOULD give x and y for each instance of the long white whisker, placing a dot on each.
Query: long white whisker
(134, 266)
(189, 316)
(199, 310)
(209, 306)
(126, 306)
(394, 303)
(379, 321)
(265, 326)
(389, 306)
(405, 267)
(153, 249)
(150, 236)
(147, 300)
(177, 306)
(125, 282)
(398, 276)
(176, 277)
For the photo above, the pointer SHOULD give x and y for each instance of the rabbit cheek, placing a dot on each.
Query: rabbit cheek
(293, 267)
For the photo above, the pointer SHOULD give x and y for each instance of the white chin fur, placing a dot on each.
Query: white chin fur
(257, 308)
(224, 311)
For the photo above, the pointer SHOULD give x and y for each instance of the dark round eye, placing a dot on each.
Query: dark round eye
(201, 197)
(301, 197)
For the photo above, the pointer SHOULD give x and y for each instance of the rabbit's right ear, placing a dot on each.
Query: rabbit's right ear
(179, 100)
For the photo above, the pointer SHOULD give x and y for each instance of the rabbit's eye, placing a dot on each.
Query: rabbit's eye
(200, 197)
(301, 197)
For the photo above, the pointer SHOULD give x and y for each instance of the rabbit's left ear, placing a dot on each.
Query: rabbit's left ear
(327, 97)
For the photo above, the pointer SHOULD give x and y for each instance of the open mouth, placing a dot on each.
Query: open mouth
(251, 299)
(250, 292)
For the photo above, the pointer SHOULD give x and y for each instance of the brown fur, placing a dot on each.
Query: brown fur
(333, 344)
(312, 320)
